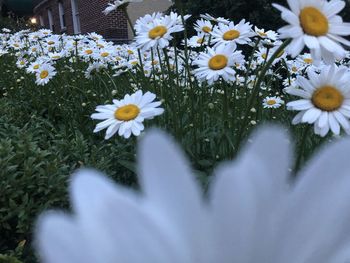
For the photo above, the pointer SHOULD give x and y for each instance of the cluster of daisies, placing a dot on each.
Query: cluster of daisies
(213, 55)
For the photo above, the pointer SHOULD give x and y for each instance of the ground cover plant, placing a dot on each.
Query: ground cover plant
(70, 102)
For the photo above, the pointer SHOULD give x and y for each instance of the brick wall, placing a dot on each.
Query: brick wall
(113, 26)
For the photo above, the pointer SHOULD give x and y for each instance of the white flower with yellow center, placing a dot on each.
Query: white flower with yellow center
(271, 35)
(224, 34)
(316, 25)
(264, 54)
(216, 63)
(197, 41)
(157, 33)
(126, 116)
(203, 26)
(44, 74)
(325, 100)
(272, 102)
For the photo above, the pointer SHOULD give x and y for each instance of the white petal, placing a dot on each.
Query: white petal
(244, 194)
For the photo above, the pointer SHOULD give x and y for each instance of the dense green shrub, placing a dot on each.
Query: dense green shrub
(36, 161)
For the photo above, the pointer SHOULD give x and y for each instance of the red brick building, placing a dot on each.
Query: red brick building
(81, 16)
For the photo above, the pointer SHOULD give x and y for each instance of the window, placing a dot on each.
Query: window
(62, 15)
(51, 24)
(75, 16)
(41, 21)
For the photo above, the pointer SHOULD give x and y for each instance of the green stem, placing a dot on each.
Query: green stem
(256, 89)
(301, 149)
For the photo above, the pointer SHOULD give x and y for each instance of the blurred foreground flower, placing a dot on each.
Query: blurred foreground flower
(252, 214)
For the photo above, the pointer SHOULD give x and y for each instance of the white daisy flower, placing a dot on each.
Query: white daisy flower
(315, 23)
(271, 35)
(197, 41)
(44, 74)
(272, 102)
(126, 116)
(224, 34)
(214, 19)
(157, 33)
(248, 208)
(117, 3)
(216, 63)
(203, 26)
(264, 54)
(325, 100)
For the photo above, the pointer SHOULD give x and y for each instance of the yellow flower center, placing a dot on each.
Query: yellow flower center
(157, 32)
(262, 34)
(327, 98)
(130, 52)
(127, 113)
(218, 62)
(104, 54)
(308, 60)
(271, 102)
(34, 49)
(44, 74)
(231, 35)
(313, 21)
(206, 29)
(56, 57)
(51, 42)
(22, 63)
(294, 69)
(88, 52)
(100, 45)
(200, 40)
(36, 66)
(264, 55)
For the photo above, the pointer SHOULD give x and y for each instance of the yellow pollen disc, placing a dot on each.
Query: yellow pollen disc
(262, 34)
(50, 42)
(44, 74)
(294, 69)
(134, 63)
(231, 35)
(100, 46)
(22, 63)
(157, 32)
(264, 56)
(34, 49)
(271, 102)
(218, 62)
(154, 62)
(327, 98)
(130, 52)
(36, 67)
(89, 51)
(313, 21)
(56, 57)
(104, 54)
(200, 41)
(127, 113)
(206, 29)
(308, 60)
(15, 45)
